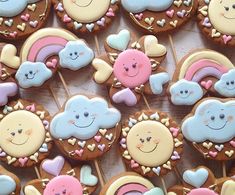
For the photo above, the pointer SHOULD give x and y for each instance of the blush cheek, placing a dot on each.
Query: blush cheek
(222, 14)
(230, 118)
(139, 65)
(156, 141)
(9, 139)
(29, 132)
(205, 122)
(81, 53)
(71, 122)
(73, 1)
(139, 145)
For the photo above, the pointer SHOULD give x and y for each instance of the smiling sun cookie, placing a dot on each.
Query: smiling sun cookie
(19, 19)
(86, 16)
(217, 20)
(59, 177)
(25, 140)
(201, 181)
(210, 128)
(131, 68)
(130, 183)
(200, 73)
(85, 128)
(151, 143)
(160, 16)
(10, 183)
(45, 52)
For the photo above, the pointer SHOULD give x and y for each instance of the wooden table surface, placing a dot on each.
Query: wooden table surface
(80, 82)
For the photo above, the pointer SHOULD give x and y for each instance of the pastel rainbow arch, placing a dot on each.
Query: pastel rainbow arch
(44, 44)
(205, 63)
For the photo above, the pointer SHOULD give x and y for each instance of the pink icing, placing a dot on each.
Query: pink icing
(64, 184)
(132, 188)
(41, 43)
(132, 68)
(202, 191)
(200, 66)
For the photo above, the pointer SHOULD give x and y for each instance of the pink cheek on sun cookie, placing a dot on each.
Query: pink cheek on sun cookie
(127, 59)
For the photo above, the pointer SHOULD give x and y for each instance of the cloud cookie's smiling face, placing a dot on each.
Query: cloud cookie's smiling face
(147, 140)
(213, 121)
(86, 11)
(222, 15)
(22, 133)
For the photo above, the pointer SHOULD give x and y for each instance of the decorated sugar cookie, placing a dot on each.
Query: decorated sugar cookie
(85, 128)
(8, 87)
(25, 139)
(200, 73)
(131, 68)
(161, 16)
(10, 183)
(58, 177)
(19, 19)
(210, 127)
(216, 20)
(43, 54)
(201, 181)
(130, 183)
(86, 16)
(151, 143)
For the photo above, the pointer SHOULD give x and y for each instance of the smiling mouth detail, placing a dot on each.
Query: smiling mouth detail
(150, 150)
(229, 18)
(217, 129)
(134, 74)
(30, 78)
(20, 144)
(4, 1)
(74, 58)
(86, 5)
(85, 125)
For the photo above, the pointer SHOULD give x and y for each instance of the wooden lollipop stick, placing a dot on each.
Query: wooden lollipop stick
(37, 172)
(224, 169)
(97, 44)
(99, 172)
(173, 49)
(164, 185)
(64, 83)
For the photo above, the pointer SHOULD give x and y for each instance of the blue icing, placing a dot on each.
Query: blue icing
(157, 81)
(7, 185)
(83, 117)
(32, 74)
(185, 92)
(154, 191)
(226, 85)
(76, 55)
(213, 121)
(11, 8)
(142, 5)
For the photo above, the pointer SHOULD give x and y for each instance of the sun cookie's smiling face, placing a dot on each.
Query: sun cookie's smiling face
(222, 15)
(22, 133)
(150, 143)
(86, 11)
(132, 68)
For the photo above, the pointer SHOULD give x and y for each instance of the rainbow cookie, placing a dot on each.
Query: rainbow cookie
(25, 140)
(210, 128)
(19, 19)
(216, 20)
(131, 67)
(86, 16)
(10, 183)
(85, 128)
(199, 73)
(58, 177)
(151, 143)
(43, 53)
(159, 17)
(201, 181)
(130, 183)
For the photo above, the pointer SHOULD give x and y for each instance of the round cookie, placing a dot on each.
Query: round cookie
(210, 128)
(151, 143)
(10, 183)
(216, 20)
(131, 67)
(85, 128)
(200, 73)
(25, 140)
(130, 183)
(58, 177)
(86, 16)
(159, 17)
(19, 19)
(201, 181)
(8, 87)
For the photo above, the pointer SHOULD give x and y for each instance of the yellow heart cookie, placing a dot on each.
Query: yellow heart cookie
(153, 48)
(8, 56)
(31, 190)
(104, 70)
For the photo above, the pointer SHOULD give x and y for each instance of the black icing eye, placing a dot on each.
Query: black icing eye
(13, 133)
(233, 6)
(20, 131)
(76, 53)
(30, 72)
(86, 114)
(149, 138)
(126, 69)
(232, 82)
(186, 91)
(134, 65)
(142, 140)
(26, 75)
(71, 54)
(226, 8)
(181, 92)
(64, 192)
(221, 116)
(227, 83)
(77, 116)
(212, 118)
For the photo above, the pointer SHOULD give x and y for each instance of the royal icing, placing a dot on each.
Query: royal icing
(86, 176)
(83, 117)
(8, 89)
(228, 188)
(63, 184)
(54, 166)
(213, 120)
(8, 185)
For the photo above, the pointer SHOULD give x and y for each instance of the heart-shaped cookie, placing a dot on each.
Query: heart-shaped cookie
(7, 90)
(104, 70)
(125, 96)
(157, 82)
(8, 185)
(86, 176)
(154, 191)
(153, 48)
(54, 166)
(31, 190)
